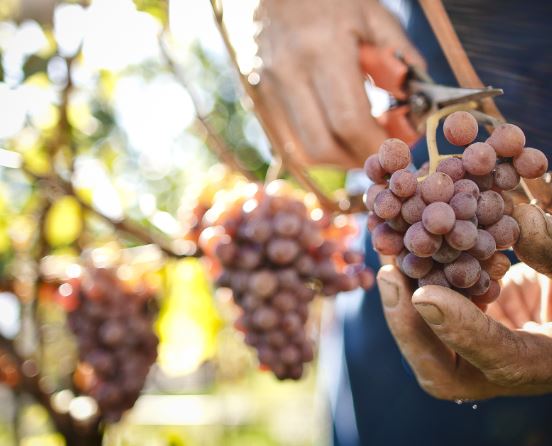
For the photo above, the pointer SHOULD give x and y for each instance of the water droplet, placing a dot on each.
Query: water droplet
(458, 401)
(474, 406)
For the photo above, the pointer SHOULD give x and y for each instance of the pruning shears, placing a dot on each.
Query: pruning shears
(413, 94)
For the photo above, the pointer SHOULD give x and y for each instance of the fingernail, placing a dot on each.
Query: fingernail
(389, 292)
(430, 313)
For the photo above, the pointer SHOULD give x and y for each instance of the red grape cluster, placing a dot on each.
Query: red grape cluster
(275, 259)
(113, 324)
(446, 229)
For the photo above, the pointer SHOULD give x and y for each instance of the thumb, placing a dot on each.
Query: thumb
(534, 246)
(464, 328)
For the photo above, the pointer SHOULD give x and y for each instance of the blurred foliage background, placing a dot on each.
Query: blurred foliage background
(89, 95)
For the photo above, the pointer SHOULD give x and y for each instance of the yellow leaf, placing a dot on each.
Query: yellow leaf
(64, 222)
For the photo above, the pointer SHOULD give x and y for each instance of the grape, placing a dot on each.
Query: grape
(386, 241)
(416, 267)
(412, 209)
(505, 232)
(479, 159)
(438, 218)
(453, 167)
(421, 242)
(435, 277)
(508, 203)
(113, 326)
(265, 318)
(463, 235)
(467, 186)
(446, 254)
(284, 301)
(437, 186)
(484, 182)
(460, 128)
(291, 323)
(423, 170)
(481, 286)
(394, 155)
(373, 220)
(282, 251)
(490, 208)
(505, 176)
(463, 272)
(386, 205)
(370, 195)
(508, 140)
(263, 283)
(490, 295)
(249, 257)
(400, 257)
(497, 265)
(373, 169)
(531, 163)
(484, 247)
(287, 224)
(258, 230)
(403, 183)
(398, 224)
(226, 251)
(464, 205)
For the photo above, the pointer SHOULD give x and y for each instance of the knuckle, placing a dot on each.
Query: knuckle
(508, 375)
(346, 126)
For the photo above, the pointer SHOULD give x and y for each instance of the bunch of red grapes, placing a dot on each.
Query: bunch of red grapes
(113, 325)
(446, 229)
(275, 259)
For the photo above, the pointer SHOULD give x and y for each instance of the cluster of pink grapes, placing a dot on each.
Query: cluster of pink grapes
(446, 228)
(275, 259)
(113, 326)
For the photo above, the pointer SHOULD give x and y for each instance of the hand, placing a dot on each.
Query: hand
(457, 352)
(311, 80)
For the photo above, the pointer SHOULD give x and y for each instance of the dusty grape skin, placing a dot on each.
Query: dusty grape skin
(386, 241)
(393, 155)
(403, 183)
(287, 224)
(505, 176)
(464, 205)
(373, 169)
(412, 209)
(463, 235)
(453, 167)
(490, 295)
(508, 140)
(400, 257)
(463, 272)
(438, 218)
(497, 265)
(467, 186)
(460, 128)
(372, 221)
(481, 286)
(263, 283)
(479, 159)
(370, 195)
(387, 205)
(531, 163)
(437, 186)
(265, 318)
(416, 267)
(420, 242)
(435, 277)
(484, 247)
(505, 232)
(490, 208)
(398, 224)
(446, 254)
(282, 251)
(484, 182)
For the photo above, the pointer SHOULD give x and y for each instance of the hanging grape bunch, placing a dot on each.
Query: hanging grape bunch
(113, 325)
(447, 229)
(275, 259)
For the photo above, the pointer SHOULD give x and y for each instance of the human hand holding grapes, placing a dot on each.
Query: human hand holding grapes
(458, 352)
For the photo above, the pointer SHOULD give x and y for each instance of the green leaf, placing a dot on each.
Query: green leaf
(328, 179)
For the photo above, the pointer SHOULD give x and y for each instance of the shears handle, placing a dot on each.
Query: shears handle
(390, 73)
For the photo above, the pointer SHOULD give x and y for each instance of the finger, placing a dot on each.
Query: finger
(460, 325)
(310, 123)
(495, 311)
(428, 357)
(534, 246)
(545, 310)
(513, 305)
(345, 103)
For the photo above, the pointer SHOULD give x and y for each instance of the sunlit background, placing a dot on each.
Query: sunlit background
(138, 152)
